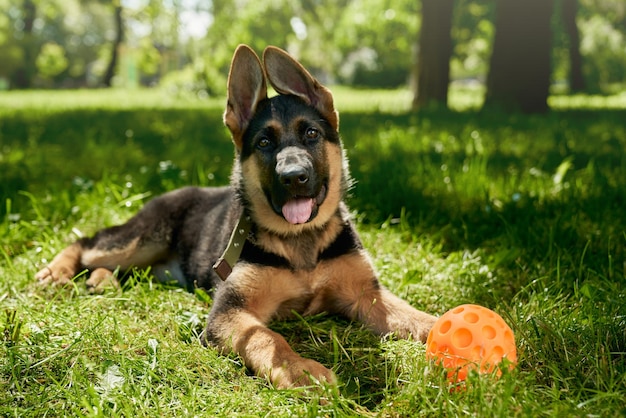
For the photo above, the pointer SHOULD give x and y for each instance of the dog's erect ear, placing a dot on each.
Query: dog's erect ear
(288, 76)
(246, 88)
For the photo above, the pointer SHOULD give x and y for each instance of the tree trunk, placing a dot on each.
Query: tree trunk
(519, 73)
(107, 79)
(435, 48)
(23, 77)
(569, 10)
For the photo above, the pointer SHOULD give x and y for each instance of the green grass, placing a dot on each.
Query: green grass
(522, 214)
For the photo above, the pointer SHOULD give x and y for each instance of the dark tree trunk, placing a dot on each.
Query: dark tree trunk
(23, 76)
(435, 48)
(107, 79)
(519, 73)
(569, 10)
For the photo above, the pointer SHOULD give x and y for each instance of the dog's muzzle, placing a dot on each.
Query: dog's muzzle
(298, 191)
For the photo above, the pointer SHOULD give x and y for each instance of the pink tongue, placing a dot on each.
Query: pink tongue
(298, 211)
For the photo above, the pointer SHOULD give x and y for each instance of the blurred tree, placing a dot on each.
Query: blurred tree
(316, 27)
(149, 59)
(255, 23)
(602, 25)
(375, 43)
(71, 30)
(569, 11)
(51, 61)
(519, 71)
(22, 78)
(358, 42)
(118, 25)
(368, 43)
(79, 27)
(472, 34)
(435, 48)
(11, 54)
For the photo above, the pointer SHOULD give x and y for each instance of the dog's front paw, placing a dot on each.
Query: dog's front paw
(300, 373)
(423, 323)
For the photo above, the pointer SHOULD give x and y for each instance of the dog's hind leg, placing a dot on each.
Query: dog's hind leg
(134, 244)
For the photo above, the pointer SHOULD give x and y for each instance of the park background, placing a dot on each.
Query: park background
(487, 143)
(557, 45)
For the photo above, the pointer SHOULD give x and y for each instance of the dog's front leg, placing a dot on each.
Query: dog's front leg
(264, 351)
(237, 323)
(357, 293)
(386, 313)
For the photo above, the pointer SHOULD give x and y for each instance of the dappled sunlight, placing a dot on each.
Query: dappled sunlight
(521, 214)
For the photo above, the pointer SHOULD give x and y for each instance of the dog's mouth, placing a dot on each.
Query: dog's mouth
(302, 209)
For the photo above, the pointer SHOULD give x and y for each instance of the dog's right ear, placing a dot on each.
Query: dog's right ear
(288, 76)
(246, 88)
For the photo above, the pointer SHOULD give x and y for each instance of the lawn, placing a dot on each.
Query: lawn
(523, 214)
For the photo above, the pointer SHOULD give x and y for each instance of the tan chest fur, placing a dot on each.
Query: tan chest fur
(276, 293)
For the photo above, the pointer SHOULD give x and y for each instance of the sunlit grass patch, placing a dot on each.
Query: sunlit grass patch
(41, 101)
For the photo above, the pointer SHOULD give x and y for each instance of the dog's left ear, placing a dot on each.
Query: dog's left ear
(288, 76)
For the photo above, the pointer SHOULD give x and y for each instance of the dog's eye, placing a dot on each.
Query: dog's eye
(263, 142)
(312, 133)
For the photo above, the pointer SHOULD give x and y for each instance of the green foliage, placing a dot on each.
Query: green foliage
(472, 32)
(522, 214)
(195, 79)
(376, 40)
(11, 54)
(51, 61)
(149, 58)
(257, 24)
(603, 44)
(65, 38)
(359, 42)
(601, 24)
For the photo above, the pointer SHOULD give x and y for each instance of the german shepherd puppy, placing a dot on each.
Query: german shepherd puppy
(280, 235)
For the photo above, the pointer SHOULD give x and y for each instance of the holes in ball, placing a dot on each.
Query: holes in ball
(498, 352)
(508, 337)
(471, 317)
(477, 352)
(445, 327)
(458, 310)
(489, 332)
(462, 338)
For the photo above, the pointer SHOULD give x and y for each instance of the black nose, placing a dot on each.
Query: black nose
(294, 169)
(293, 176)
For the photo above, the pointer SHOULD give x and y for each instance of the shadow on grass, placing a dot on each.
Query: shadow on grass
(156, 149)
(465, 178)
(541, 184)
(541, 197)
(355, 354)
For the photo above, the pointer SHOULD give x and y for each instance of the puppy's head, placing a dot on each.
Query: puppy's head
(291, 169)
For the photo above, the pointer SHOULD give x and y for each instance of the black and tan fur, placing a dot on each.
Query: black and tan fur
(287, 147)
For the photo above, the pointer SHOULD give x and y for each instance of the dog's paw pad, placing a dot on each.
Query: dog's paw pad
(100, 280)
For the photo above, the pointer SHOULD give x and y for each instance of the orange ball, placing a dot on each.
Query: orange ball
(471, 337)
